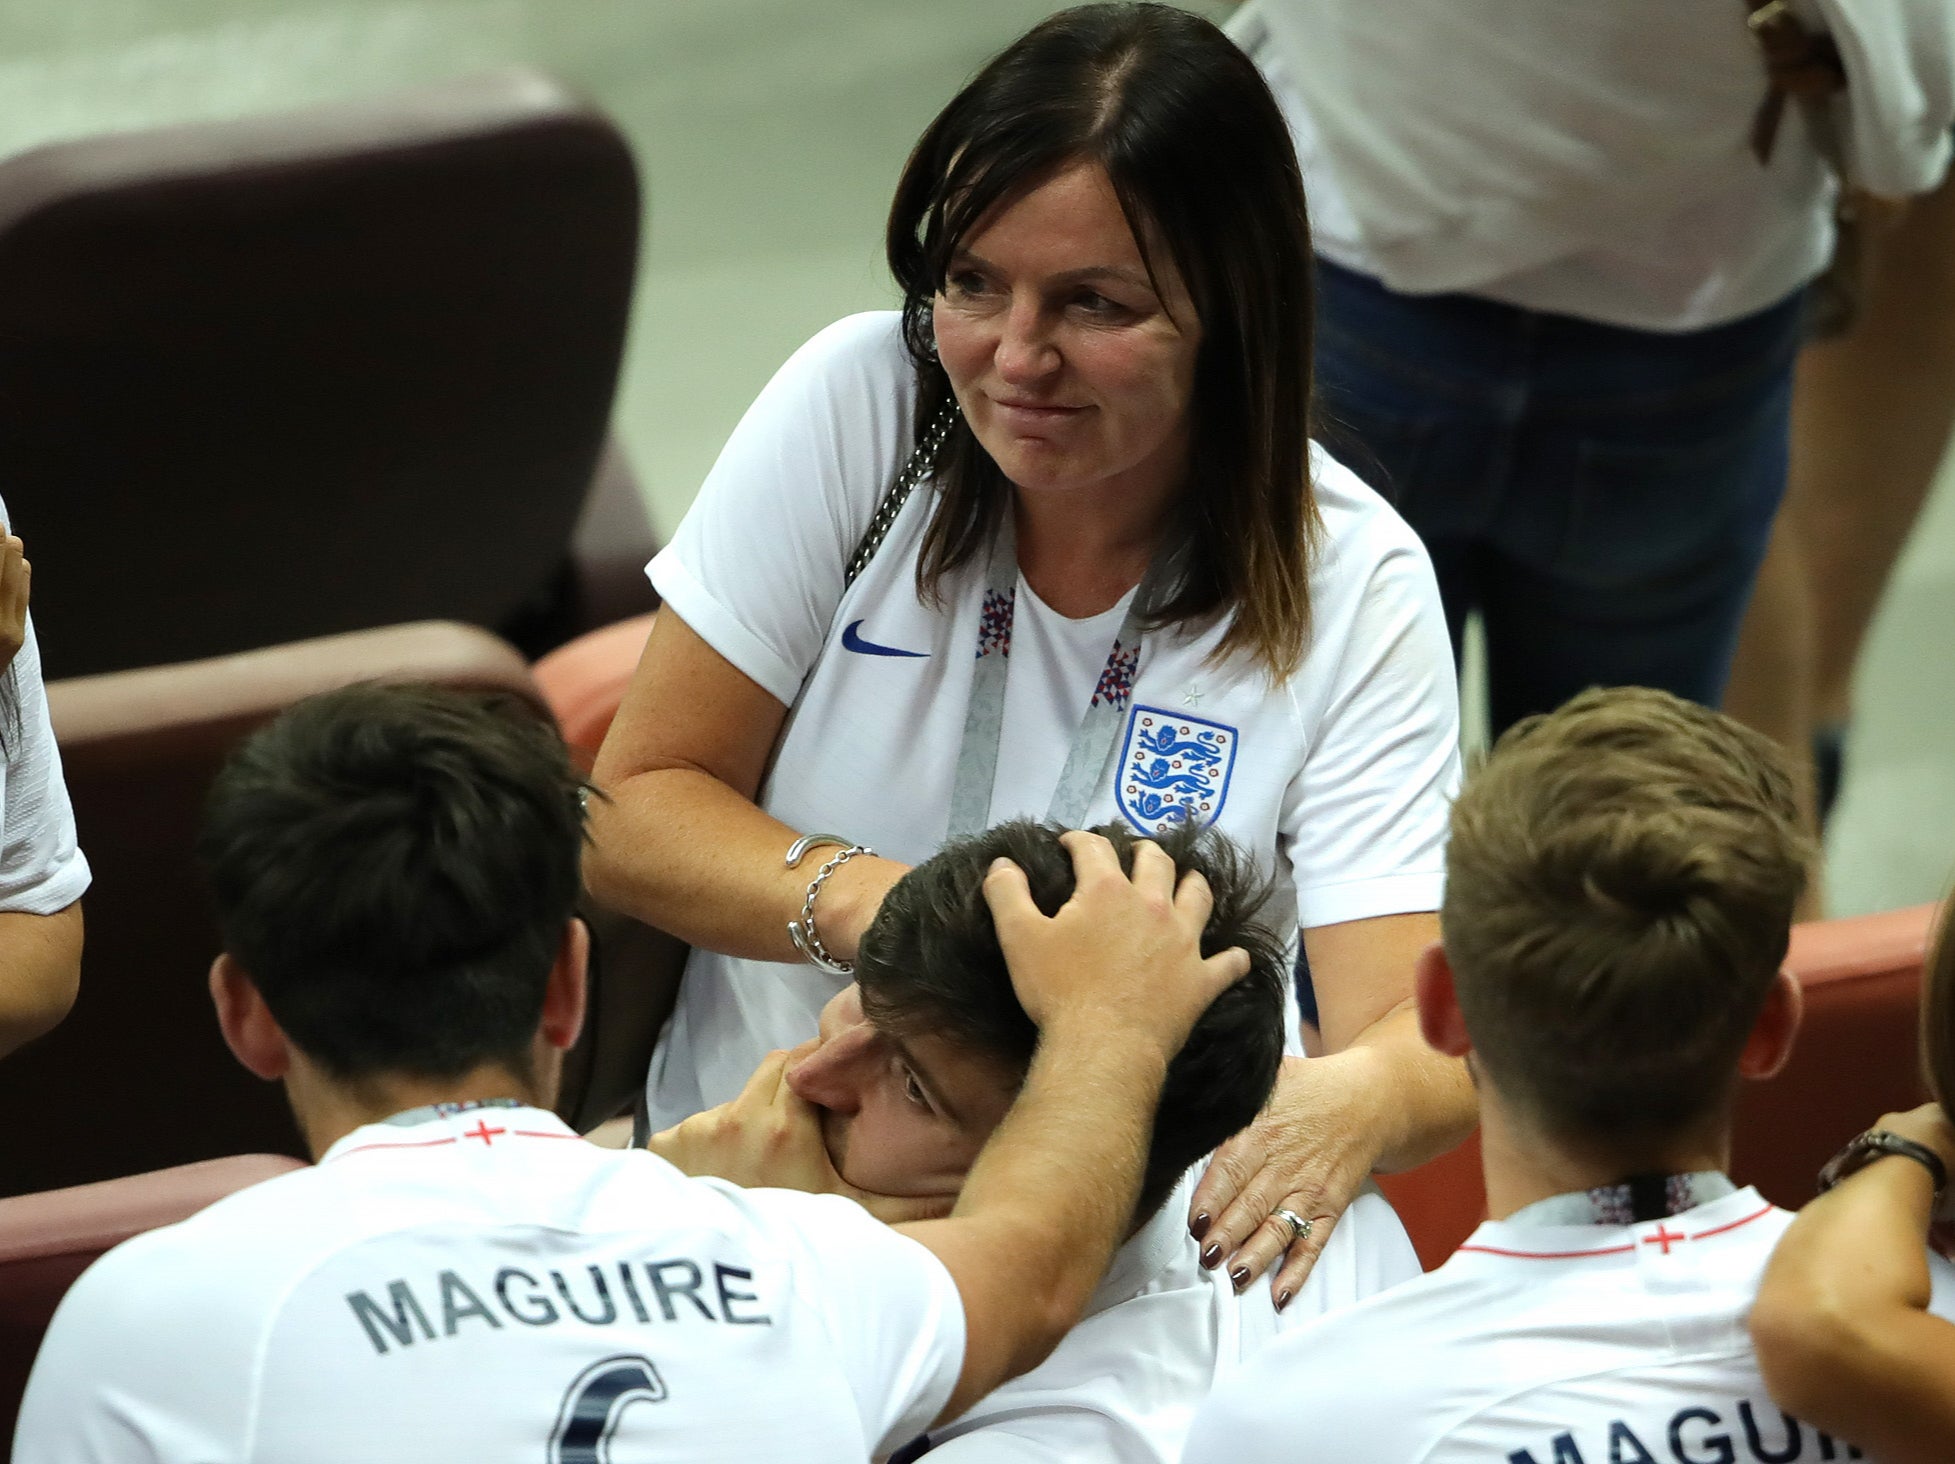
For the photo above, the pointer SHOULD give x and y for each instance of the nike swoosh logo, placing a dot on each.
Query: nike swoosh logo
(852, 641)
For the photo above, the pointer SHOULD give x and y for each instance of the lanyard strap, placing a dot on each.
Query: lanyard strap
(1092, 749)
(1638, 1198)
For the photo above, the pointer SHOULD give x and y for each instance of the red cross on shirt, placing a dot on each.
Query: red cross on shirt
(483, 1132)
(1664, 1237)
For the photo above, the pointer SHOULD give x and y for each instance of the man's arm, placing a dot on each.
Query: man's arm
(1115, 982)
(1844, 1336)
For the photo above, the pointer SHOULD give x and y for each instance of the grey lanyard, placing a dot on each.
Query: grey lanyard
(1092, 750)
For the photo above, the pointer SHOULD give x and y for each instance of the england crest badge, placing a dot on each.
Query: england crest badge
(1174, 769)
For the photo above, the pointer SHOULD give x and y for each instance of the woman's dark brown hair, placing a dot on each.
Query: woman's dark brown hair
(1201, 161)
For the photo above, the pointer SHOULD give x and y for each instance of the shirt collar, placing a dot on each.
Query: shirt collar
(483, 1123)
(1150, 1250)
(1615, 1204)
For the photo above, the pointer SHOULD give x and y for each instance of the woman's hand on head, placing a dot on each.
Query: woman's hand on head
(15, 574)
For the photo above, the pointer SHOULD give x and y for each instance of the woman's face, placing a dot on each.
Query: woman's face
(1075, 374)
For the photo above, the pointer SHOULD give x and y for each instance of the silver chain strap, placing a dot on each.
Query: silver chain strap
(922, 460)
(802, 932)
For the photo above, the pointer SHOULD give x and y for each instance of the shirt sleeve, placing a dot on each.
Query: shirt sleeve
(41, 865)
(756, 567)
(1049, 1435)
(1365, 819)
(893, 1313)
(138, 1367)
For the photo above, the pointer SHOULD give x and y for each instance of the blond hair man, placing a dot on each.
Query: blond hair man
(1620, 887)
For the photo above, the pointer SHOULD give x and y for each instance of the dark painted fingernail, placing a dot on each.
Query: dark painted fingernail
(1212, 1255)
(1198, 1227)
(1283, 1298)
(1240, 1276)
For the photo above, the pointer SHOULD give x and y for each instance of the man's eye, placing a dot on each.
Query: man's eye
(913, 1091)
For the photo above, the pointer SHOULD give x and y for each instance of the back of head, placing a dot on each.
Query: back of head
(1199, 155)
(1619, 895)
(394, 866)
(931, 963)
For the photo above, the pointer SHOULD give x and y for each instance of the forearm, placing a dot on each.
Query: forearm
(1841, 1325)
(679, 849)
(1066, 1161)
(40, 972)
(1421, 1102)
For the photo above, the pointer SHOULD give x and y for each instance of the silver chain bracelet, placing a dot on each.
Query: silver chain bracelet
(802, 932)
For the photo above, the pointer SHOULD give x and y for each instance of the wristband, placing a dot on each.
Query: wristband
(1863, 1149)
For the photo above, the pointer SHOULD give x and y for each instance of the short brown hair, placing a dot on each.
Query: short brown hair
(1938, 1012)
(1201, 160)
(1619, 896)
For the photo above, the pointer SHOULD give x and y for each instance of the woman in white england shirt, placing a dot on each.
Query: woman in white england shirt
(1130, 588)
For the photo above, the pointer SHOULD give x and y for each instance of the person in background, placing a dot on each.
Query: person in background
(43, 872)
(1126, 587)
(1564, 257)
(1848, 1326)
(1872, 414)
(460, 1276)
(916, 1062)
(1619, 897)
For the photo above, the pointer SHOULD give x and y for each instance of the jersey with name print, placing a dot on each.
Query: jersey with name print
(1336, 779)
(1577, 1344)
(486, 1286)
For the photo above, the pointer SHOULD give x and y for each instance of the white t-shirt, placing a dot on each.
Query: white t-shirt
(1338, 780)
(1123, 1386)
(41, 866)
(1580, 1344)
(1590, 159)
(486, 1286)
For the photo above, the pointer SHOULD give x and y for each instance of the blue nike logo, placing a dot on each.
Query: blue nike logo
(851, 641)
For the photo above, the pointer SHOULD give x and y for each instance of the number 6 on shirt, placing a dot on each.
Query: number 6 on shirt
(595, 1402)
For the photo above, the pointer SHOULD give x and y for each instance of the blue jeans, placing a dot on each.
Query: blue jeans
(1601, 496)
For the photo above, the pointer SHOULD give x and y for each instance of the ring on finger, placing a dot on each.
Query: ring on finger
(1300, 1226)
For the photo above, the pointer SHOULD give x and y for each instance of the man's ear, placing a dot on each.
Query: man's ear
(563, 996)
(249, 1029)
(1440, 1022)
(1770, 1044)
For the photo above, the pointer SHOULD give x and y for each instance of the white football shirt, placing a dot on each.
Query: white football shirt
(1577, 1344)
(1591, 160)
(486, 1286)
(1123, 1386)
(41, 865)
(1338, 780)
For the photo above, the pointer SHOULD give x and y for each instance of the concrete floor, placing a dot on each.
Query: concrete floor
(769, 133)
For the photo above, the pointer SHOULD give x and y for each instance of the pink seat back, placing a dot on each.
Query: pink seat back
(48, 1239)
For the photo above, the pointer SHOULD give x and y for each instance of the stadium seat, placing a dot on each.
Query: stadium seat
(137, 1077)
(284, 376)
(48, 1239)
(1856, 1057)
(585, 681)
(1854, 1060)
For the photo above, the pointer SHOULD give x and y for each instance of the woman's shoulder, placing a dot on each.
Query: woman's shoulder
(863, 350)
(1364, 538)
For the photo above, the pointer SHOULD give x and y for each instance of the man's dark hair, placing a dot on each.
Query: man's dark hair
(930, 963)
(394, 867)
